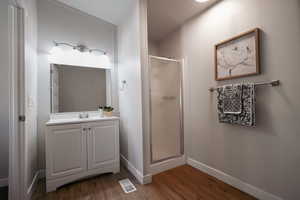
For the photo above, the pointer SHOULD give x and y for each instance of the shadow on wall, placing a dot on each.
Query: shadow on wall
(124, 144)
(264, 112)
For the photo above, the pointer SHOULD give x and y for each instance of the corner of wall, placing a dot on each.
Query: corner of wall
(143, 179)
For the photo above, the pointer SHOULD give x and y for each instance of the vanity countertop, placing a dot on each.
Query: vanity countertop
(76, 120)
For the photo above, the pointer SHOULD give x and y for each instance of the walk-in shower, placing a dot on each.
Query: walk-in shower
(166, 109)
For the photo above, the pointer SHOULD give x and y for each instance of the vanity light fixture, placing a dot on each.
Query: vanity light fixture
(78, 55)
(79, 47)
(56, 50)
(201, 1)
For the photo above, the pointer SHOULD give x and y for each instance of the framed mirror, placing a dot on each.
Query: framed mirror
(79, 89)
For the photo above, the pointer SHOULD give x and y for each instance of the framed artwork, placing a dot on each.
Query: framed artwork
(238, 56)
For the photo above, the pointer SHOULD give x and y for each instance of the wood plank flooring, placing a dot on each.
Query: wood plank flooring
(181, 183)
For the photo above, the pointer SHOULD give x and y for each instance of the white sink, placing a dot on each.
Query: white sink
(71, 118)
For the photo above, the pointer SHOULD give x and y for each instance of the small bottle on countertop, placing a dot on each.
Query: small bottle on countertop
(100, 109)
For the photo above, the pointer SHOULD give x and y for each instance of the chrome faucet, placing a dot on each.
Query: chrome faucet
(83, 115)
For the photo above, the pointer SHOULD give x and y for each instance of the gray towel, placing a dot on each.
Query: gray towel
(247, 116)
(232, 99)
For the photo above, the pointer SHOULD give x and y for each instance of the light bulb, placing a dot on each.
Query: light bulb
(56, 50)
(75, 58)
(105, 61)
(55, 53)
(201, 1)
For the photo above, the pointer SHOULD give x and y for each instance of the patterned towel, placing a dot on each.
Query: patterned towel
(232, 99)
(247, 116)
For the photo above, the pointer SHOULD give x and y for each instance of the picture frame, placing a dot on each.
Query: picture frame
(238, 56)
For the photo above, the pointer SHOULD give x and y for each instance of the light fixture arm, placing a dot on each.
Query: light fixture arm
(99, 50)
(80, 47)
(63, 43)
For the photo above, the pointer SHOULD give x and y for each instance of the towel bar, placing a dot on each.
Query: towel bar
(270, 83)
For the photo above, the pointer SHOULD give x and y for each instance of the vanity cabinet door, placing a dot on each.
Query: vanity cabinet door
(66, 150)
(103, 144)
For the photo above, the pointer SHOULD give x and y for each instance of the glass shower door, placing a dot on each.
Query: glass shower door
(165, 109)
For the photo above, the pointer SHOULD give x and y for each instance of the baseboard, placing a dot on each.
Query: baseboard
(167, 164)
(245, 187)
(3, 182)
(38, 175)
(137, 174)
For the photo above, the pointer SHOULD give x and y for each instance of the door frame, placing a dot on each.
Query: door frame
(181, 109)
(17, 186)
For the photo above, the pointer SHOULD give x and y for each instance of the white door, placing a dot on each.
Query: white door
(23, 164)
(66, 149)
(17, 140)
(102, 144)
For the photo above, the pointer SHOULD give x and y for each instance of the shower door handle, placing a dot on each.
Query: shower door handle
(169, 97)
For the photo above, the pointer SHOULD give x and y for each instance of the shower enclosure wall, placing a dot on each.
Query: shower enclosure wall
(166, 125)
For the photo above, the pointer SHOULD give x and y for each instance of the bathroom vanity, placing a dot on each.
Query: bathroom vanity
(77, 148)
(80, 142)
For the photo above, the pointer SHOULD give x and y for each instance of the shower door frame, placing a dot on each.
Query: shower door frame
(180, 109)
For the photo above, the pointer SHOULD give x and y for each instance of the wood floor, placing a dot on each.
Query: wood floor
(181, 183)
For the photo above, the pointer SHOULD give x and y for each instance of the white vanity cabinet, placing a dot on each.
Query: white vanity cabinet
(66, 150)
(75, 150)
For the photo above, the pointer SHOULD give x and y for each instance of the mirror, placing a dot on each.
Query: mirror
(78, 89)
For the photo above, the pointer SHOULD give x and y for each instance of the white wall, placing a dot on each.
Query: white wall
(130, 98)
(57, 22)
(268, 156)
(4, 89)
(153, 48)
(171, 45)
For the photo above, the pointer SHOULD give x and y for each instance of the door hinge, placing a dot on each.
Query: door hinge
(22, 118)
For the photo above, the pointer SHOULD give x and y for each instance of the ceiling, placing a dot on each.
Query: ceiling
(164, 16)
(109, 10)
